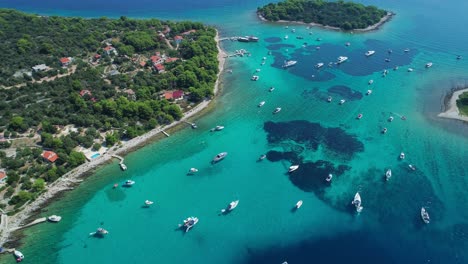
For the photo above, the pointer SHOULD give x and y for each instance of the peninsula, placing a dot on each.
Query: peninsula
(338, 15)
(75, 92)
(457, 106)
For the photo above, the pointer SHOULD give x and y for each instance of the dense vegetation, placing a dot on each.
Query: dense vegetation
(33, 116)
(340, 14)
(462, 103)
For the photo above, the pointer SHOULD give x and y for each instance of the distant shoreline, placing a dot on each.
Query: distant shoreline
(376, 26)
(73, 178)
(451, 109)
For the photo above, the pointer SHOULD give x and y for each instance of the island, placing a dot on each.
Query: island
(76, 92)
(456, 105)
(338, 15)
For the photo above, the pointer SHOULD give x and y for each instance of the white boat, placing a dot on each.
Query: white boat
(219, 157)
(257, 70)
(371, 81)
(289, 63)
(347, 44)
(148, 203)
(459, 57)
(370, 53)
(264, 58)
(99, 232)
(329, 99)
(410, 69)
(425, 215)
(262, 157)
(406, 50)
(342, 101)
(341, 59)
(123, 167)
(329, 178)
(271, 89)
(255, 78)
(298, 204)
(359, 116)
(388, 174)
(384, 130)
(128, 183)
(390, 119)
(54, 218)
(193, 170)
(429, 64)
(412, 167)
(293, 30)
(18, 255)
(261, 103)
(395, 68)
(231, 206)
(189, 223)
(357, 202)
(218, 128)
(368, 92)
(319, 65)
(293, 168)
(277, 110)
(402, 155)
(286, 37)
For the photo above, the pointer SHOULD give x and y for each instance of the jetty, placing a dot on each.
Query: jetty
(121, 163)
(35, 222)
(193, 125)
(165, 133)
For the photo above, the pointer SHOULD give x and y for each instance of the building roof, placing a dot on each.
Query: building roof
(168, 95)
(83, 92)
(40, 67)
(64, 60)
(155, 58)
(3, 175)
(142, 63)
(49, 155)
(189, 32)
(109, 48)
(97, 56)
(159, 67)
(178, 94)
(178, 38)
(169, 60)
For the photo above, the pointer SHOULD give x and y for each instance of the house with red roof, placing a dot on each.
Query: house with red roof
(142, 63)
(84, 92)
(96, 57)
(109, 49)
(159, 67)
(155, 59)
(65, 61)
(169, 60)
(178, 95)
(3, 176)
(178, 39)
(49, 156)
(168, 95)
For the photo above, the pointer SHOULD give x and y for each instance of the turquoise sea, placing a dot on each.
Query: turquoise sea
(321, 137)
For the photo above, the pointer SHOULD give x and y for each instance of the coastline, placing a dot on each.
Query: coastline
(72, 178)
(451, 109)
(376, 26)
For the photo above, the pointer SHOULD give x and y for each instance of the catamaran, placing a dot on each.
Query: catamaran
(388, 174)
(357, 202)
(425, 215)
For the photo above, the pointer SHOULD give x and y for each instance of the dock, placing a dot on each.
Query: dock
(165, 133)
(121, 163)
(35, 222)
(193, 125)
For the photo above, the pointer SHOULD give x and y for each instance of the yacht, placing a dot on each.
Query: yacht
(359, 116)
(329, 178)
(425, 215)
(18, 255)
(410, 69)
(231, 206)
(289, 63)
(412, 167)
(459, 57)
(262, 157)
(319, 65)
(255, 78)
(299, 37)
(347, 44)
(402, 155)
(219, 157)
(318, 39)
(264, 58)
(429, 64)
(395, 68)
(261, 103)
(128, 183)
(387, 60)
(384, 130)
(148, 203)
(189, 223)
(217, 128)
(193, 170)
(390, 119)
(329, 99)
(101, 232)
(342, 101)
(390, 51)
(271, 89)
(341, 59)
(286, 37)
(277, 110)
(357, 202)
(371, 81)
(317, 48)
(54, 218)
(123, 167)
(194, 126)
(293, 30)
(293, 168)
(257, 70)
(298, 204)
(388, 174)
(385, 72)
(370, 53)
(406, 50)
(368, 92)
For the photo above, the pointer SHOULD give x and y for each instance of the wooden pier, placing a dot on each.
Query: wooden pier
(35, 222)
(165, 133)
(121, 163)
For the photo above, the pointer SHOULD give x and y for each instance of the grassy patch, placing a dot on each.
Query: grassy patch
(462, 103)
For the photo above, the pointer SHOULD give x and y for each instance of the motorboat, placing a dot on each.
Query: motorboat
(387, 60)
(347, 44)
(429, 64)
(261, 103)
(289, 63)
(257, 70)
(329, 178)
(317, 48)
(425, 215)
(459, 57)
(148, 203)
(368, 92)
(115, 185)
(406, 50)
(329, 99)
(231, 206)
(341, 59)
(219, 157)
(370, 53)
(390, 119)
(123, 166)
(385, 72)
(18, 255)
(293, 30)
(395, 68)
(371, 82)
(101, 232)
(255, 78)
(293, 168)
(403, 117)
(384, 130)
(410, 69)
(390, 51)
(286, 37)
(299, 37)
(298, 204)
(54, 218)
(342, 101)
(277, 110)
(402, 155)
(412, 167)
(388, 174)
(357, 202)
(193, 170)
(189, 223)
(271, 89)
(194, 126)
(319, 65)
(128, 183)
(217, 128)
(318, 39)
(262, 157)
(264, 58)
(359, 116)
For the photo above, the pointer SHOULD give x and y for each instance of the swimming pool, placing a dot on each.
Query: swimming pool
(95, 155)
